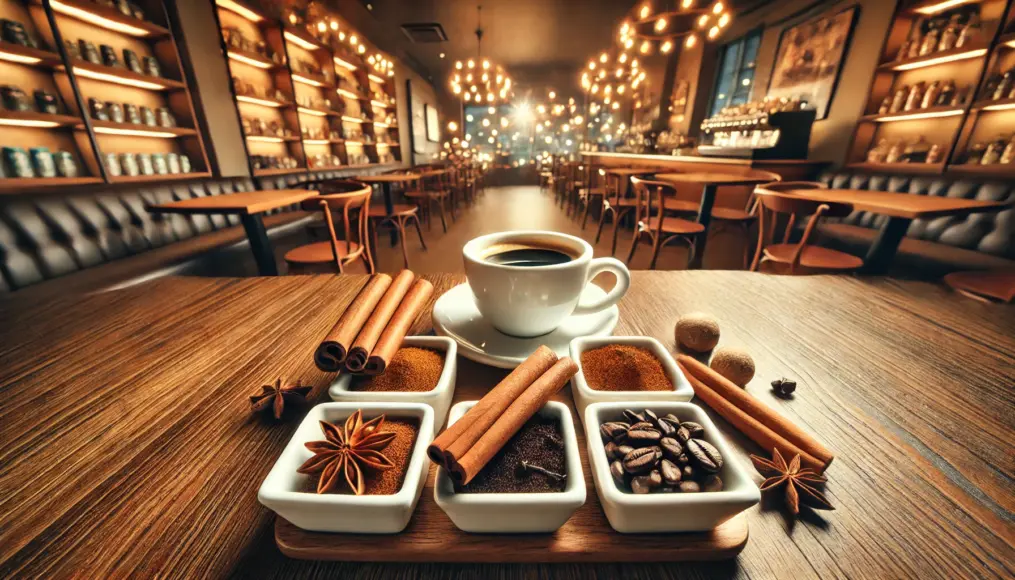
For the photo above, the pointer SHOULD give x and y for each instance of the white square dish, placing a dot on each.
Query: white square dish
(516, 512)
(364, 514)
(439, 397)
(585, 395)
(666, 512)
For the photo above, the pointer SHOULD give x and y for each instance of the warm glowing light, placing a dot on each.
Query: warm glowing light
(645, 47)
(300, 42)
(92, 18)
(360, 143)
(703, 21)
(380, 124)
(691, 41)
(552, 95)
(344, 64)
(351, 119)
(713, 32)
(999, 107)
(666, 47)
(322, 27)
(644, 12)
(353, 39)
(941, 60)
(347, 93)
(918, 115)
(486, 122)
(375, 78)
(485, 78)
(620, 89)
(452, 126)
(334, 25)
(661, 25)
(603, 58)
(941, 6)
(28, 123)
(315, 141)
(380, 104)
(457, 89)
(306, 81)
(241, 10)
(472, 63)
(260, 138)
(307, 111)
(468, 78)
(628, 43)
(717, 8)
(341, 36)
(685, 4)
(616, 105)
(724, 20)
(622, 58)
(458, 65)
(20, 58)
(361, 49)
(248, 60)
(90, 74)
(486, 65)
(256, 101)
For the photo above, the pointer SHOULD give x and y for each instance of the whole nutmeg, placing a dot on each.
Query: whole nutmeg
(734, 364)
(697, 331)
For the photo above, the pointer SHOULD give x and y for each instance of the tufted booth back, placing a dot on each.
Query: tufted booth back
(44, 237)
(990, 233)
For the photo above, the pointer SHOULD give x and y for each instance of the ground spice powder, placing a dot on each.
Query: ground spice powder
(539, 442)
(411, 369)
(620, 367)
(399, 451)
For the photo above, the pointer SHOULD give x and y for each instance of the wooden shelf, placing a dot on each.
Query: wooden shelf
(273, 139)
(302, 39)
(31, 119)
(264, 102)
(351, 94)
(266, 172)
(1006, 40)
(29, 56)
(108, 18)
(252, 59)
(976, 50)
(915, 115)
(991, 105)
(122, 76)
(19, 184)
(316, 112)
(166, 177)
(132, 130)
(911, 168)
(312, 80)
(934, 7)
(996, 170)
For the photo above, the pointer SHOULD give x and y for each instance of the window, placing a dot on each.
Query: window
(735, 81)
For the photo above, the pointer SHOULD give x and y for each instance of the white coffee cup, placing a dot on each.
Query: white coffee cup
(533, 300)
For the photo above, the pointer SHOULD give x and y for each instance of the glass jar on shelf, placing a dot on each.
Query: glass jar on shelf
(931, 94)
(945, 94)
(915, 97)
(970, 32)
(930, 40)
(975, 153)
(1008, 156)
(1004, 85)
(899, 99)
(878, 153)
(950, 35)
(992, 154)
(935, 154)
(895, 152)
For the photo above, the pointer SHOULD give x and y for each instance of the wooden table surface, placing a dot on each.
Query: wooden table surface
(902, 205)
(712, 178)
(128, 446)
(243, 203)
(387, 177)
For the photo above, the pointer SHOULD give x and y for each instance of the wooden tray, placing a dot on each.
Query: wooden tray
(586, 537)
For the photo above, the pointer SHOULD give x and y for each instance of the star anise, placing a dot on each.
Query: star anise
(346, 452)
(276, 395)
(800, 483)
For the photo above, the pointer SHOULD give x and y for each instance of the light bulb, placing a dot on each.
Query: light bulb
(322, 27)
(468, 96)
(703, 21)
(628, 43)
(685, 4)
(486, 77)
(486, 65)
(352, 39)
(341, 36)
(713, 32)
(472, 63)
(603, 58)
(645, 11)
(361, 49)
(691, 41)
(592, 66)
(458, 65)
(334, 25)
(553, 95)
(724, 20)
(623, 58)
(717, 8)
(661, 25)
(645, 47)
(469, 118)
(491, 110)
(666, 47)
(468, 78)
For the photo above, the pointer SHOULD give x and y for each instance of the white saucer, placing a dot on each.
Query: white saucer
(455, 315)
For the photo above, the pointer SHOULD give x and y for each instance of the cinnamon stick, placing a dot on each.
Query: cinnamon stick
(332, 351)
(505, 427)
(471, 426)
(374, 326)
(391, 339)
(750, 423)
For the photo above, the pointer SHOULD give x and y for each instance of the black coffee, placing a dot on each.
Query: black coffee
(529, 257)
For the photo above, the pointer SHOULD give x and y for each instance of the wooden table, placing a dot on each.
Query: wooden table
(128, 446)
(710, 183)
(901, 209)
(386, 179)
(249, 205)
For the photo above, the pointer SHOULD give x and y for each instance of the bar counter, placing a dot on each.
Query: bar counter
(789, 169)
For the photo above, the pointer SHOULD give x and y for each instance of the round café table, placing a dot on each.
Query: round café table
(385, 180)
(709, 182)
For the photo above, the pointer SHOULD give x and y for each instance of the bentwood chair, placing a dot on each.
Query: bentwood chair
(984, 286)
(351, 199)
(616, 203)
(653, 222)
(402, 214)
(800, 257)
(740, 220)
(591, 192)
(431, 190)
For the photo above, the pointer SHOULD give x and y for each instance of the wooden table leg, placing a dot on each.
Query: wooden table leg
(260, 244)
(704, 218)
(389, 209)
(886, 244)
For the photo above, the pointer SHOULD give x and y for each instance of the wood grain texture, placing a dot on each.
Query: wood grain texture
(244, 202)
(904, 205)
(128, 447)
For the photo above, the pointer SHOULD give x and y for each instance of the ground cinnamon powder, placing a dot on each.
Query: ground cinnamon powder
(411, 369)
(399, 451)
(619, 367)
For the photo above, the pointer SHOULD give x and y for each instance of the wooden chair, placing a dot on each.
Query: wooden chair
(432, 190)
(591, 192)
(800, 254)
(983, 286)
(402, 214)
(616, 204)
(352, 199)
(667, 228)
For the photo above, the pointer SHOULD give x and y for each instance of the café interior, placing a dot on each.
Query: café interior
(507, 288)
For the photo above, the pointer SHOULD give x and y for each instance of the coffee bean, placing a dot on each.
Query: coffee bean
(712, 483)
(633, 417)
(610, 431)
(695, 430)
(670, 472)
(683, 434)
(640, 460)
(655, 479)
(611, 450)
(666, 429)
(689, 487)
(671, 448)
(623, 450)
(641, 484)
(671, 418)
(619, 476)
(641, 425)
(704, 455)
(683, 459)
(642, 437)
(651, 417)
(688, 472)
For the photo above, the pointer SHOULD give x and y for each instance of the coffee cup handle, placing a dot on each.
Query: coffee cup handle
(618, 269)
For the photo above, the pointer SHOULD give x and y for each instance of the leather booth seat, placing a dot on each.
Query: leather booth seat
(933, 246)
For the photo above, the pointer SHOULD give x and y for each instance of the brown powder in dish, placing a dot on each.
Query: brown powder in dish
(411, 369)
(399, 451)
(619, 367)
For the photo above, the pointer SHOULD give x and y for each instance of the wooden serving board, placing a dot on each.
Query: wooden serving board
(586, 537)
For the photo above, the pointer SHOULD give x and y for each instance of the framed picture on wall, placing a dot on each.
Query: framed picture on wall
(809, 59)
(433, 125)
